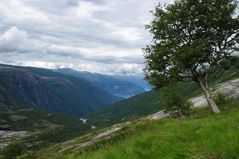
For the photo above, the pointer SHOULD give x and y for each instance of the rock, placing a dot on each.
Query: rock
(108, 132)
(230, 89)
(6, 137)
(157, 116)
(198, 101)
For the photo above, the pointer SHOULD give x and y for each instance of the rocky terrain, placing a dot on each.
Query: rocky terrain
(7, 137)
(229, 88)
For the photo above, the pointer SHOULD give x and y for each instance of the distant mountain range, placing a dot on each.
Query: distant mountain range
(121, 86)
(148, 103)
(43, 88)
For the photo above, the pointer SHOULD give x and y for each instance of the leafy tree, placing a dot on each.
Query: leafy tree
(174, 103)
(190, 38)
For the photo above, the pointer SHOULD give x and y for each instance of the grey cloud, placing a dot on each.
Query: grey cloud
(97, 33)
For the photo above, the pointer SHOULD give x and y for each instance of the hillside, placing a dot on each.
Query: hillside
(38, 128)
(117, 85)
(42, 88)
(203, 136)
(148, 103)
(127, 139)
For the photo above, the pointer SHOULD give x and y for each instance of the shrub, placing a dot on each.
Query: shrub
(222, 100)
(174, 103)
(14, 149)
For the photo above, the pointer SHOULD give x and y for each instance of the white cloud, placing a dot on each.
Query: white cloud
(87, 9)
(92, 35)
(15, 40)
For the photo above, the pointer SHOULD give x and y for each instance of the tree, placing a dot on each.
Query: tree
(189, 39)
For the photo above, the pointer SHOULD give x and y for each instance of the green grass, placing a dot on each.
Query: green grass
(213, 137)
(203, 135)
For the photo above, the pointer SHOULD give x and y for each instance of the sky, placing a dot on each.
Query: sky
(103, 36)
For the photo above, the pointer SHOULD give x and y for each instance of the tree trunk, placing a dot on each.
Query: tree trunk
(208, 95)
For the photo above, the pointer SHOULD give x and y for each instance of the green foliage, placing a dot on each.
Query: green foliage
(222, 100)
(174, 102)
(189, 39)
(65, 93)
(204, 137)
(47, 128)
(229, 62)
(148, 103)
(137, 106)
(14, 149)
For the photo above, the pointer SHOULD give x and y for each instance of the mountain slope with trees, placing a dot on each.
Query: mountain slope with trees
(201, 135)
(149, 102)
(42, 88)
(117, 85)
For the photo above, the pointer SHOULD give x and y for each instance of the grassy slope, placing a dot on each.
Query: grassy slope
(147, 103)
(212, 137)
(207, 137)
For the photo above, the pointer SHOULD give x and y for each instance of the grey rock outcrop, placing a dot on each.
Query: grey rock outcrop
(230, 89)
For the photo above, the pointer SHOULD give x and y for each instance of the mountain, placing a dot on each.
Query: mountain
(148, 102)
(135, 107)
(137, 80)
(121, 86)
(166, 138)
(43, 88)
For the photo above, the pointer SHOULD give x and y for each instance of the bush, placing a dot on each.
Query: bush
(174, 103)
(14, 149)
(222, 100)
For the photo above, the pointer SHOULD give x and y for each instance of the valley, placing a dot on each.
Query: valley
(111, 79)
(121, 86)
(55, 135)
(42, 88)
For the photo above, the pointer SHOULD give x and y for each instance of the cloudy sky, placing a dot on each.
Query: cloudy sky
(104, 36)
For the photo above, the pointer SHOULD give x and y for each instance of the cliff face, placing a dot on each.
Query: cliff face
(40, 88)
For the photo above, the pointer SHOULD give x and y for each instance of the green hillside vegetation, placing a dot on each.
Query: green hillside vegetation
(202, 135)
(44, 128)
(46, 89)
(148, 103)
(135, 107)
(132, 140)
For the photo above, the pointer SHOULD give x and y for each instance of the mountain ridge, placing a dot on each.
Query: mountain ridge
(43, 88)
(121, 86)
